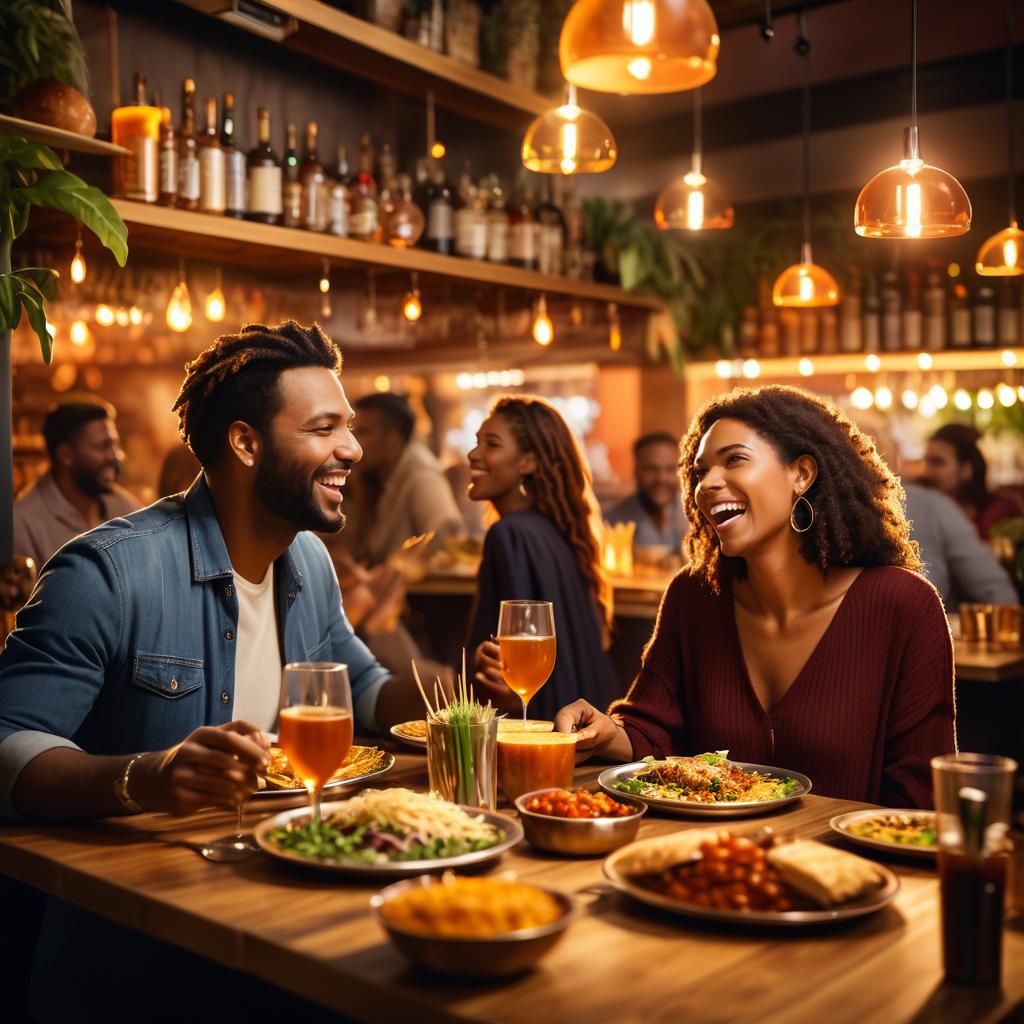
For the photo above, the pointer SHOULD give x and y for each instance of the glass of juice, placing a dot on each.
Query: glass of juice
(972, 804)
(315, 729)
(535, 760)
(526, 639)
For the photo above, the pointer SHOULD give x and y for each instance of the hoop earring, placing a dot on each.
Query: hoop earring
(792, 515)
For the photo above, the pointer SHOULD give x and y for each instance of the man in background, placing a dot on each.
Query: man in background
(656, 507)
(80, 490)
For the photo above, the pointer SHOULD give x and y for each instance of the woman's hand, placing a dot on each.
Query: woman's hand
(596, 733)
(489, 682)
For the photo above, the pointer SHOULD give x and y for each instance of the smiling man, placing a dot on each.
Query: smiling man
(146, 666)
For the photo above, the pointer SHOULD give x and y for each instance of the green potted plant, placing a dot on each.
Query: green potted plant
(32, 175)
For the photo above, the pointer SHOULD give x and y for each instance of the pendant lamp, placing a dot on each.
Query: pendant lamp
(805, 285)
(912, 199)
(1002, 255)
(639, 46)
(692, 203)
(568, 140)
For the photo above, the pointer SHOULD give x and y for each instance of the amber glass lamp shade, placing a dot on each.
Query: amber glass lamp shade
(805, 285)
(1002, 255)
(569, 140)
(692, 203)
(912, 200)
(639, 46)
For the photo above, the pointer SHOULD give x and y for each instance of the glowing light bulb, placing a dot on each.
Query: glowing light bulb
(437, 150)
(862, 398)
(1006, 395)
(883, 397)
(985, 399)
(543, 328)
(938, 396)
(135, 315)
(914, 210)
(751, 368)
(695, 210)
(1008, 357)
(639, 21)
(614, 328)
(924, 360)
(640, 68)
(216, 305)
(464, 381)
(961, 399)
(78, 267)
(806, 286)
(79, 333)
(910, 399)
(723, 369)
(121, 317)
(570, 140)
(104, 315)
(382, 382)
(325, 284)
(806, 368)
(927, 407)
(1009, 252)
(873, 363)
(412, 307)
(179, 308)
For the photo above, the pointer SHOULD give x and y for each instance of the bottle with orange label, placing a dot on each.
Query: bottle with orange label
(137, 128)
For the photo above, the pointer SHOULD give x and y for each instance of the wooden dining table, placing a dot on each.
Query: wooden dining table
(312, 932)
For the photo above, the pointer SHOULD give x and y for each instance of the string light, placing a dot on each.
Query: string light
(78, 267)
(862, 398)
(883, 397)
(179, 306)
(806, 368)
(751, 369)
(924, 360)
(614, 328)
(412, 304)
(381, 383)
(216, 304)
(1008, 357)
(938, 396)
(325, 288)
(543, 328)
(1006, 395)
(961, 399)
(873, 363)
(135, 316)
(79, 333)
(910, 399)
(104, 315)
(985, 399)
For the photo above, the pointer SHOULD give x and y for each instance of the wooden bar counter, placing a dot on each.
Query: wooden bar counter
(312, 933)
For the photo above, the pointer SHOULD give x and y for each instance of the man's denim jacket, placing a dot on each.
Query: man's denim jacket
(128, 640)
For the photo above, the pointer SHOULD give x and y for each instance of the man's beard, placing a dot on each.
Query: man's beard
(89, 483)
(288, 492)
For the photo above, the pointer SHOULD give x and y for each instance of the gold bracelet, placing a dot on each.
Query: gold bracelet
(121, 787)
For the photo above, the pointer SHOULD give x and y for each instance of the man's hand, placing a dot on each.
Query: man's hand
(214, 766)
(489, 682)
(596, 733)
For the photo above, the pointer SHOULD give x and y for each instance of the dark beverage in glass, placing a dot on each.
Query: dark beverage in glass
(973, 894)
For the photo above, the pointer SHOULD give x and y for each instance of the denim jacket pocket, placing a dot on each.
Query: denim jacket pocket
(167, 676)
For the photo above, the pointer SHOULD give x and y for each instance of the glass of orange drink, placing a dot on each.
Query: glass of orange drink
(315, 729)
(526, 639)
(532, 760)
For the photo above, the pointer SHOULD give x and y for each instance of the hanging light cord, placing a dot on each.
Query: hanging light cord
(803, 46)
(698, 143)
(913, 65)
(1010, 194)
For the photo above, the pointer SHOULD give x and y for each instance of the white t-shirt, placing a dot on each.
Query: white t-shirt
(257, 654)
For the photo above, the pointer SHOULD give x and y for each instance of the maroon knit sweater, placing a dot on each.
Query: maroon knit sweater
(871, 706)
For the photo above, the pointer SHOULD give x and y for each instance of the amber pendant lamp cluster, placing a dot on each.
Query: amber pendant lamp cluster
(568, 140)
(692, 202)
(805, 284)
(912, 199)
(1002, 255)
(639, 46)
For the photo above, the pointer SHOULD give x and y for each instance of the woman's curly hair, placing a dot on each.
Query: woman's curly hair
(858, 503)
(560, 487)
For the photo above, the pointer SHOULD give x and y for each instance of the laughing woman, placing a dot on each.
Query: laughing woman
(800, 635)
(543, 547)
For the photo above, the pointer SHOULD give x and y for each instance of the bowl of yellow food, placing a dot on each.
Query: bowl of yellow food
(472, 927)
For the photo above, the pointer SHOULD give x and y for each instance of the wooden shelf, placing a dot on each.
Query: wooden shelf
(361, 48)
(888, 362)
(58, 138)
(284, 252)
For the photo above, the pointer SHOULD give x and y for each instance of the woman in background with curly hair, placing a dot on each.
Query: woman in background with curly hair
(543, 547)
(800, 634)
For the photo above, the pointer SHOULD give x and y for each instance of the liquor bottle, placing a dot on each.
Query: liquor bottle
(440, 234)
(291, 195)
(809, 322)
(387, 194)
(264, 189)
(168, 160)
(850, 339)
(137, 128)
(913, 334)
(747, 333)
(364, 220)
(551, 238)
(1007, 318)
(933, 321)
(983, 317)
(406, 222)
(789, 331)
(497, 221)
(212, 177)
(892, 312)
(767, 321)
(871, 322)
(338, 206)
(234, 161)
(521, 237)
(314, 184)
(470, 219)
(959, 313)
(188, 150)
(828, 331)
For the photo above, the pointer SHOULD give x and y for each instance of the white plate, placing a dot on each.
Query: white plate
(398, 869)
(413, 741)
(841, 822)
(724, 809)
(332, 787)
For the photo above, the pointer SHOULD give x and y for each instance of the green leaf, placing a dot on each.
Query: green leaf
(27, 154)
(19, 219)
(32, 303)
(62, 190)
(42, 278)
(10, 304)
